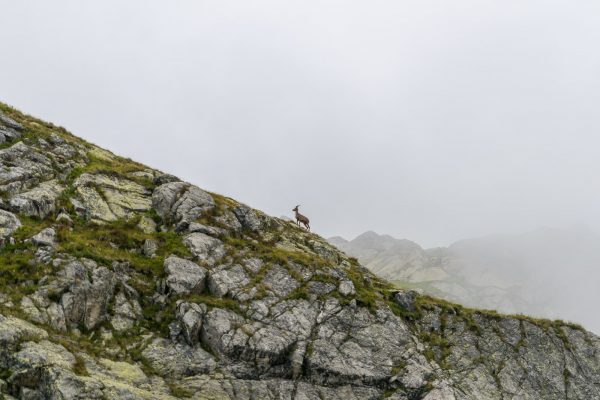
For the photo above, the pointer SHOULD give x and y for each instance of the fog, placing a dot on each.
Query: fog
(431, 120)
(546, 272)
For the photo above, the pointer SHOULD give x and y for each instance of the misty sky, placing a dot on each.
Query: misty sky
(430, 120)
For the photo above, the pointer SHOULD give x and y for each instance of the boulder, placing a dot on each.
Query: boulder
(204, 247)
(248, 218)
(184, 276)
(406, 299)
(126, 311)
(320, 288)
(279, 280)
(227, 279)
(191, 227)
(176, 201)
(9, 122)
(47, 237)
(8, 224)
(6, 135)
(346, 288)
(219, 330)
(64, 218)
(161, 179)
(150, 248)
(23, 168)
(178, 360)
(90, 291)
(38, 202)
(189, 316)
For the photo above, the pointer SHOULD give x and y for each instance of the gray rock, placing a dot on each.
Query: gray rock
(104, 198)
(7, 135)
(204, 247)
(190, 317)
(176, 201)
(279, 280)
(247, 217)
(56, 140)
(150, 248)
(227, 279)
(320, 288)
(38, 202)
(9, 122)
(126, 312)
(346, 288)
(22, 168)
(64, 218)
(254, 265)
(443, 393)
(178, 360)
(161, 179)
(47, 237)
(218, 330)
(64, 152)
(354, 343)
(8, 224)
(87, 300)
(197, 227)
(184, 276)
(229, 221)
(406, 299)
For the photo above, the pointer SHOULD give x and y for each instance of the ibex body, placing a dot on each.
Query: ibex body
(301, 218)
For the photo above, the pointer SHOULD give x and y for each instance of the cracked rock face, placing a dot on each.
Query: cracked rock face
(227, 279)
(22, 168)
(104, 198)
(176, 201)
(39, 201)
(205, 248)
(184, 276)
(118, 281)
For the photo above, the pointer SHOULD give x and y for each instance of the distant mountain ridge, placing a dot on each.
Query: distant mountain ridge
(538, 272)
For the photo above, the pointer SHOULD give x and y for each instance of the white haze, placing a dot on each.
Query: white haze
(431, 120)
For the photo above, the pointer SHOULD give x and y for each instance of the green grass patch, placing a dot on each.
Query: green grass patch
(79, 366)
(215, 302)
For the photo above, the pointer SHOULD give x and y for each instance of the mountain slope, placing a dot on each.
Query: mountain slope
(119, 281)
(545, 272)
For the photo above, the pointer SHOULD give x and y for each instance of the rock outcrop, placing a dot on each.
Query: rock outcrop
(119, 281)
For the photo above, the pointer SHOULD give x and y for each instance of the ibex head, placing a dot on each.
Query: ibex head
(296, 208)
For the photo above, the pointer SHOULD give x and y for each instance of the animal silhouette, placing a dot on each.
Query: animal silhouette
(301, 219)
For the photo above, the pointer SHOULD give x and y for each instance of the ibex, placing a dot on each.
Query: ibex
(301, 218)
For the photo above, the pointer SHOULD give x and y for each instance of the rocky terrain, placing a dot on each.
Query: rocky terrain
(118, 281)
(547, 272)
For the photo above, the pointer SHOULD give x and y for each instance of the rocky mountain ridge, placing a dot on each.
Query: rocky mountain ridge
(120, 281)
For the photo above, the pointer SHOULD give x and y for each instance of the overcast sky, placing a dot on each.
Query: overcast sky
(430, 120)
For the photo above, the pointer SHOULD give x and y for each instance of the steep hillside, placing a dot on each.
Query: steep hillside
(546, 272)
(119, 281)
